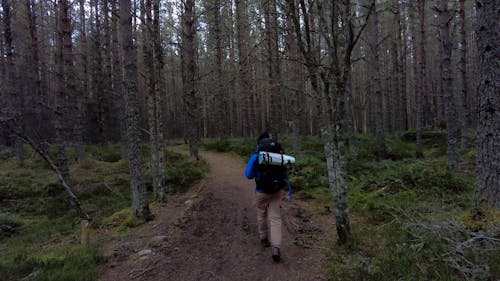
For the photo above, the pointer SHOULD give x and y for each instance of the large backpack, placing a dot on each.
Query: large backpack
(270, 178)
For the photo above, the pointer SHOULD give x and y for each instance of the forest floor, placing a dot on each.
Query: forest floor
(210, 233)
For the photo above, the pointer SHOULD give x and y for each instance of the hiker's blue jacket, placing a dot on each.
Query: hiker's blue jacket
(251, 170)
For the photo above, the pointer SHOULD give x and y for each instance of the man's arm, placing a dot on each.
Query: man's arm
(250, 170)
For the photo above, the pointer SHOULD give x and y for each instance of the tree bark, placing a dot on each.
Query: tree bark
(488, 132)
(464, 111)
(295, 84)
(397, 70)
(140, 204)
(274, 85)
(245, 67)
(403, 97)
(83, 49)
(222, 109)
(65, 87)
(425, 106)
(161, 185)
(151, 81)
(14, 98)
(118, 75)
(190, 76)
(417, 47)
(451, 125)
(377, 87)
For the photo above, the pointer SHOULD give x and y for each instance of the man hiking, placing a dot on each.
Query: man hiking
(270, 181)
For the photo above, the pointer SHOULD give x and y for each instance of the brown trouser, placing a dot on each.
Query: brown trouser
(269, 217)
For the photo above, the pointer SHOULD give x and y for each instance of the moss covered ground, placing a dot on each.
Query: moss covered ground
(39, 233)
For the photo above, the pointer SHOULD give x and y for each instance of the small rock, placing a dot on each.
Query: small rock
(157, 241)
(188, 202)
(145, 252)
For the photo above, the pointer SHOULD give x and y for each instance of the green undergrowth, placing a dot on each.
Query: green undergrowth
(40, 234)
(411, 219)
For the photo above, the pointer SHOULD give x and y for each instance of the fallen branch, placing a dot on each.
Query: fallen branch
(74, 202)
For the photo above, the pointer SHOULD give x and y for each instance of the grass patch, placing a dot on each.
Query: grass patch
(71, 263)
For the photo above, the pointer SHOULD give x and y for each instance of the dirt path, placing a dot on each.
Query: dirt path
(211, 234)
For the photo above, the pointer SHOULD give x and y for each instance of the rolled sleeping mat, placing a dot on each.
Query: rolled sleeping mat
(270, 158)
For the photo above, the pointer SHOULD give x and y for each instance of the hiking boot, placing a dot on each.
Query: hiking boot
(276, 254)
(265, 243)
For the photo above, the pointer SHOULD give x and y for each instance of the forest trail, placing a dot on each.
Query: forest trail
(210, 233)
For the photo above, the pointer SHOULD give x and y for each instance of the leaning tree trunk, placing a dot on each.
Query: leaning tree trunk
(140, 204)
(451, 115)
(488, 132)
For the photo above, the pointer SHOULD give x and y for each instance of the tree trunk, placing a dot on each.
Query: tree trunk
(377, 87)
(275, 101)
(140, 205)
(83, 49)
(425, 106)
(112, 131)
(151, 81)
(334, 86)
(34, 68)
(296, 84)
(397, 70)
(221, 97)
(418, 89)
(403, 97)
(464, 110)
(14, 100)
(488, 133)
(80, 91)
(65, 87)
(190, 76)
(245, 67)
(451, 125)
(161, 185)
(234, 113)
(118, 75)
(99, 93)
